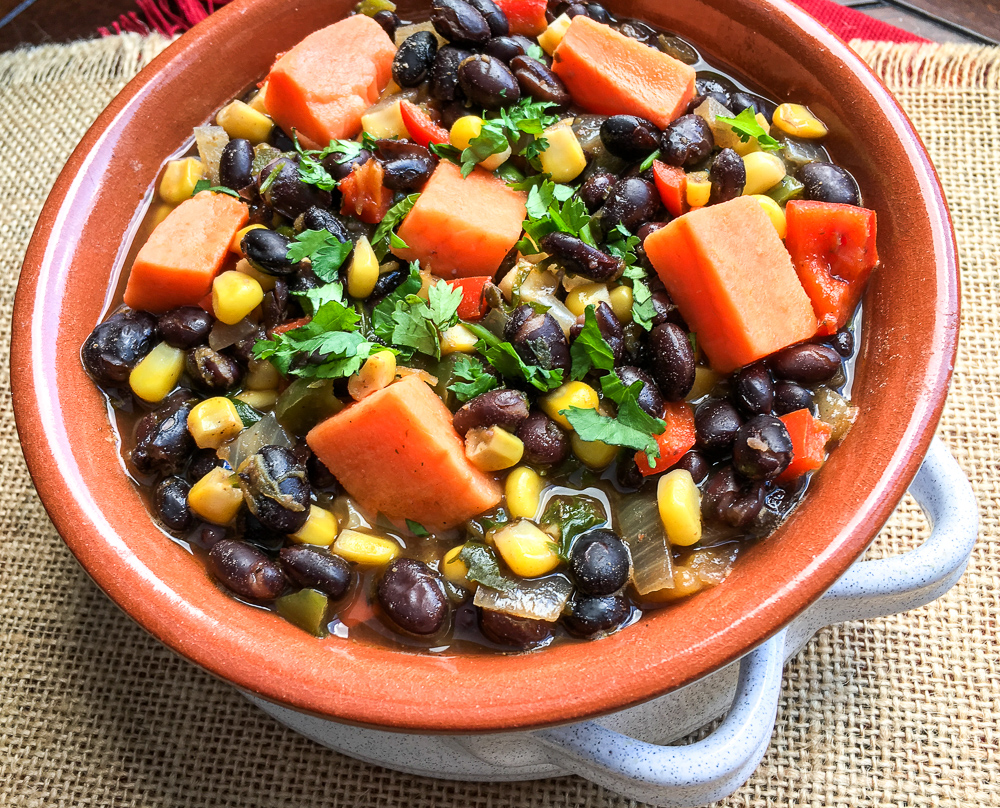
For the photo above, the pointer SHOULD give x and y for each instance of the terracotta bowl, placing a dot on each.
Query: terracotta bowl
(906, 358)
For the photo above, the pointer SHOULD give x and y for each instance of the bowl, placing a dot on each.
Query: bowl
(911, 314)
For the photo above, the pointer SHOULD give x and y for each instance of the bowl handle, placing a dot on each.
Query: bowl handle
(714, 767)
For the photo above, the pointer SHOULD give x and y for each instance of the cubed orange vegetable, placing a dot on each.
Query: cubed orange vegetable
(809, 438)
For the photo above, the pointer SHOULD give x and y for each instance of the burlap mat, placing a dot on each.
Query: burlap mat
(901, 711)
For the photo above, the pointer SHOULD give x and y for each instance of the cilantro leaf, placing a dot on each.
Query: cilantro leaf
(490, 140)
(745, 126)
(572, 516)
(205, 185)
(623, 245)
(535, 52)
(382, 315)
(643, 310)
(443, 300)
(484, 568)
(384, 237)
(324, 251)
(312, 300)
(472, 379)
(553, 207)
(590, 349)
(633, 428)
(417, 529)
(446, 152)
(407, 321)
(311, 172)
(505, 359)
(248, 415)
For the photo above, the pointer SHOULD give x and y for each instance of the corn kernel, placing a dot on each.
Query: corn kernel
(234, 296)
(796, 120)
(453, 568)
(527, 550)
(589, 294)
(259, 101)
(764, 171)
(679, 503)
(705, 380)
(523, 491)
(385, 122)
(699, 188)
(216, 497)
(550, 38)
(364, 548)
(774, 213)
(493, 448)
(458, 339)
(751, 145)
(157, 373)
(378, 371)
(267, 282)
(259, 399)
(362, 274)
(594, 454)
(465, 130)
(243, 121)
(179, 179)
(564, 158)
(214, 421)
(234, 245)
(262, 375)
(621, 303)
(571, 394)
(320, 528)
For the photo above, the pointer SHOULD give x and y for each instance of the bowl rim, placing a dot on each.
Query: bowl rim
(32, 402)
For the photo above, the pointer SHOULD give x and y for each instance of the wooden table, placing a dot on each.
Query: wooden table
(29, 22)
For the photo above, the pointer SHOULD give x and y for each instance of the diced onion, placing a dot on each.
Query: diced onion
(538, 599)
(642, 529)
(211, 141)
(222, 335)
(266, 432)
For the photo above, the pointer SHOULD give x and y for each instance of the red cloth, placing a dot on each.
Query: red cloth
(847, 23)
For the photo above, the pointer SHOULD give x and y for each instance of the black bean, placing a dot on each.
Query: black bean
(753, 390)
(487, 82)
(444, 73)
(789, 397)
(686, 141)
(611, 330)
(665, 309)
(236, 164)
(538, 339)
(206, 536)
(171, 501)
(695, 464)
(275, 306)
(808, 363)
(276, 488)
(287, 194)
(742, 100)
(591, 617)
(727, 499)
(545, 444)
(599, 562)
(280, 140)
(630, 137)
(762, 449)
(650, 400)
(505, 48)
(389, 281)
(578, 257)
(118, 344)
(460, 23)
(506, 409)
(303, 280)
(328, 573)
(267, 250)
(649, 228)
(598, 13)
(495, 18)
(627, 474)
(389, 21)
(212, 371)
(672, 360)
(320, 476)
(825, 182)
(518, 632)
(716, 423)
(255, 532)
(162, 441)
(317, 218)
(413, 597)
(260, 211)
(631, 203)
(728, 176)
(414, 58)
(716, 86)
(185, 327)
(535, 79)
(576, 10)
(242, 349)
(203, 461)
(596, 188)
(634, 29)
(408, 174)
(246, 570)
(842, 342)
(339, 166)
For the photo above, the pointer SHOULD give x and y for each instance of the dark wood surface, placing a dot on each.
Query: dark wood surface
(30, 22)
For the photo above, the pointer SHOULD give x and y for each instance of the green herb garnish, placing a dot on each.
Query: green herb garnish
(412, 324)
(553, 207)
(385, 237)
(590, 349)
(417, 529)
(573, 516)
(633, 428)
(205, 185)
(484, 568)
(502, 356)
(646, 164)
(472, 379)
(745, 126)
(248, 415)
(324, 250)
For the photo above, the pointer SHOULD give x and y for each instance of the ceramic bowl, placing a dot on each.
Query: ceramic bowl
(76, 255)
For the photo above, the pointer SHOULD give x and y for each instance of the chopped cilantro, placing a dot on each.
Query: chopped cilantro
(248, 415)
(535, 52)
(472, 380)
(385, 237)
(632, 428)
(312, 300)
(643, 310)
(492, 139)
(553, 207)
(646, 164)
(590, 349)
(205, 185)
(745, 126)
(622, 245)
(484, 568)
(324, 251)
(502, 356)
(417, 529)
(407, 321)
(573, 516)
(447, 152)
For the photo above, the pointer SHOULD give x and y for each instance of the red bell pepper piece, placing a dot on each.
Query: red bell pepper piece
(809, 438)
(833, 250)
(678, 437)
(291, 325)
(526, 17)
(473, 305)
(364, 194)
(421, 126)
(671, 182)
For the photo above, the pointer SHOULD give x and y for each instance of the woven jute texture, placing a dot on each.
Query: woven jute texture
(901, 711)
